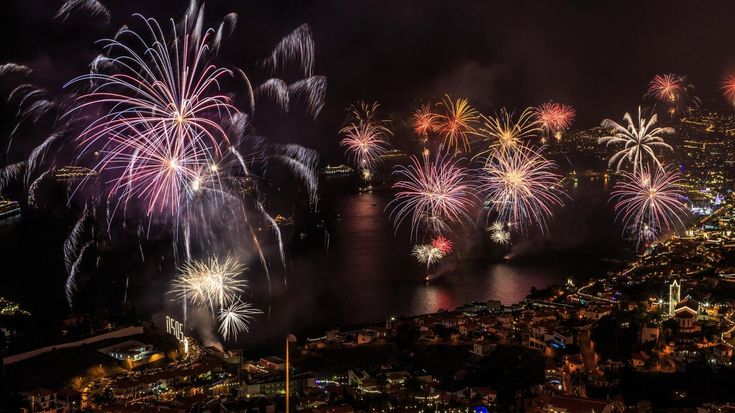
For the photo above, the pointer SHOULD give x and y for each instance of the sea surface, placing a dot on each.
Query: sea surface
(354, 267)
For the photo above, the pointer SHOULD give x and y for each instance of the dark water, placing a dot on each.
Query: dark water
(364, 273)
(367, 273)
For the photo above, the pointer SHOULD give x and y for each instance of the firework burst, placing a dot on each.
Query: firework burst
(639, 143)
(554, 118)
(672, 90)
(157, 117)
(365, 137)
(456, 122)
(443, 244)
(424, 121)
(505, 130)
(235, 318)
(427, 254)
(498, 233)
(433, 193)
(728, 88)
(520, 186)
(649, 200)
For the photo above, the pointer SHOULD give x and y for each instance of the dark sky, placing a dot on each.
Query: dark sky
(595, 55)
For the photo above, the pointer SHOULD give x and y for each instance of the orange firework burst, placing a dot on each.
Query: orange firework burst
(424, 120)
(456, 123)
(728, 88)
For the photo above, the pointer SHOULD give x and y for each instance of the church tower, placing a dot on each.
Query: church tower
(674, 296)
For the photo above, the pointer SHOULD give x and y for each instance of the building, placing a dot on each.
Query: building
(649, 333)
(569, 404)
(131, 350)
(44, 401)
(674, 296)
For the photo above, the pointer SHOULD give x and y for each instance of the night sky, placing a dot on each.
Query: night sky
(595, 55)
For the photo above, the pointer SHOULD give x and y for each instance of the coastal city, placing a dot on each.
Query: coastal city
(663, 319)
(367, 207)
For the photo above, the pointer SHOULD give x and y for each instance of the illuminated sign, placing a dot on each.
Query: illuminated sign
(175, 328)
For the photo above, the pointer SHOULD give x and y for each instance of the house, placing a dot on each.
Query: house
(272, 363)
(722, 354)
(483, 348)
(484, 395)
(574, 363)
(686, 318)
(44, 401)
(649, 333)
(569, 404)
(638, 359)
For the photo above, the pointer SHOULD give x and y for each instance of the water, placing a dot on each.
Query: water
(366, 274)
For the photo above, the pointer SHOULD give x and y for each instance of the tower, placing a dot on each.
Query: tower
(674, 296)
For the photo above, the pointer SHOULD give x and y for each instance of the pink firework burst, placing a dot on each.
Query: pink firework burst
(157, 116)
(555, 117)
(443, 244)
(520, 186)
(434, 193)
(365, 143)
(650, 198)
(666, 88)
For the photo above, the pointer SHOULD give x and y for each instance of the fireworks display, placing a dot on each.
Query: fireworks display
(235, 318)
(637, 143)
(435, 194)
(520, 186)
(506, 131)
(365, 137)
(424, 121)
(456, 122)
(427, 254)
(443, 244)
(649, 200)
(673, 91)
(554, 117)
(728, 89)
(169, 146)
(498, 233)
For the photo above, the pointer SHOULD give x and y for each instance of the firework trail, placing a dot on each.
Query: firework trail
(638, 142)
(443, 244)
(554, 118)
(651, 199)
(235, 318)
(298, 47)
(93, 7)
(427, 254)
(11, 173)
(433, 193)
(73, 241)
(71, 280)
(520, 186)
(456, 122)
(14, 68)
(504, 130)
(312, 90)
